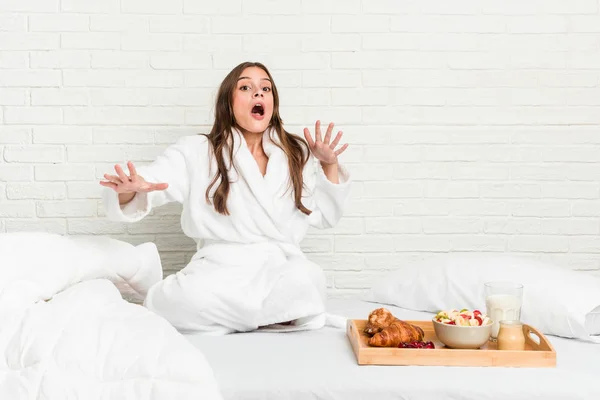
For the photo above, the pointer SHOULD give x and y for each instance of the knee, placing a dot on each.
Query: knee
(311, 271)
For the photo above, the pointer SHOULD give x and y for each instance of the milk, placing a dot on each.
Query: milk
(502, 307)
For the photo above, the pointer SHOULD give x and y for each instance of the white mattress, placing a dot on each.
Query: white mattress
(321, 365)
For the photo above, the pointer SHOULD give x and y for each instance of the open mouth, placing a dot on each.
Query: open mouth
(258, 110)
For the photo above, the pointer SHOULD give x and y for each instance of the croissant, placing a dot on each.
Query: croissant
(378, 320)
(397, 332)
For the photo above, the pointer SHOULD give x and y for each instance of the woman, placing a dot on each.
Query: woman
(250, 190)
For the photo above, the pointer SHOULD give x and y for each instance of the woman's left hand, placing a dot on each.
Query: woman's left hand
(321, 148)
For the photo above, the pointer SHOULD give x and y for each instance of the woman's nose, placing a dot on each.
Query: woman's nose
(258, 94)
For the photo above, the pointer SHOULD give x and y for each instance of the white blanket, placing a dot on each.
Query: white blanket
(249, 272)
(66, 332)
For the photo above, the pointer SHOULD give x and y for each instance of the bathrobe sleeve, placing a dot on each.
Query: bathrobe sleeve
(169, 167)
(329, 198)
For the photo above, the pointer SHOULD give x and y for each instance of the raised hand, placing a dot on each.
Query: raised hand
(321, 148)
(134, 183)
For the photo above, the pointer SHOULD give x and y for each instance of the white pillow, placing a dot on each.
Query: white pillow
(45, 263)
(592, 321)
(556, 300)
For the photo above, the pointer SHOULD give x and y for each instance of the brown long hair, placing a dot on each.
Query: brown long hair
(294, 147)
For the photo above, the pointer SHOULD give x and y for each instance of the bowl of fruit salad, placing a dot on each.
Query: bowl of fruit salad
(462, 329)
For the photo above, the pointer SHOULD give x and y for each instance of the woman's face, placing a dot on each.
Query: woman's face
(253, 100)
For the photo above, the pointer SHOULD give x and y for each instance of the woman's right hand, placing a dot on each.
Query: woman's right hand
(134, 183)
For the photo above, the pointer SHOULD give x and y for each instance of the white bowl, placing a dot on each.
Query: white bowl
(462, 337)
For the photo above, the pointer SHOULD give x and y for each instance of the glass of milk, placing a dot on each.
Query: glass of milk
(503, 301)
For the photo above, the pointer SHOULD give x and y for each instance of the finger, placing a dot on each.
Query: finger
(336, 140)
(141, 186)
(318, 131)
(328, 133)
(341, 149)
(308, 138)
(113, 179)
(151, 187)
(132, 170)
(111, 185)
(158, 186)
(121, 173)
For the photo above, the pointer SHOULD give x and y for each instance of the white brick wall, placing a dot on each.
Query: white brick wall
(474, 125)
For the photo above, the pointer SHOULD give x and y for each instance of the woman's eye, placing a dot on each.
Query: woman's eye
(267, 89)
(245, 87)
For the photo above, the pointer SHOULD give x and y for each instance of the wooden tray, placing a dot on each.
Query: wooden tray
(535, 355)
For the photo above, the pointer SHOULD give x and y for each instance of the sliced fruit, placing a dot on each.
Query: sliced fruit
(464, 317)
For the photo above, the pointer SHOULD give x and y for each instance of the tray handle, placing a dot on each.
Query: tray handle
(352, 330)
(540, 342)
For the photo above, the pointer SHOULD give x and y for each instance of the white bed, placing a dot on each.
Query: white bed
(321, 365)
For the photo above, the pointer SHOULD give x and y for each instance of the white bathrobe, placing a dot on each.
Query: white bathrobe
(249, 271)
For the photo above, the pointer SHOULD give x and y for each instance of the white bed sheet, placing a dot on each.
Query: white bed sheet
(321, 365)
